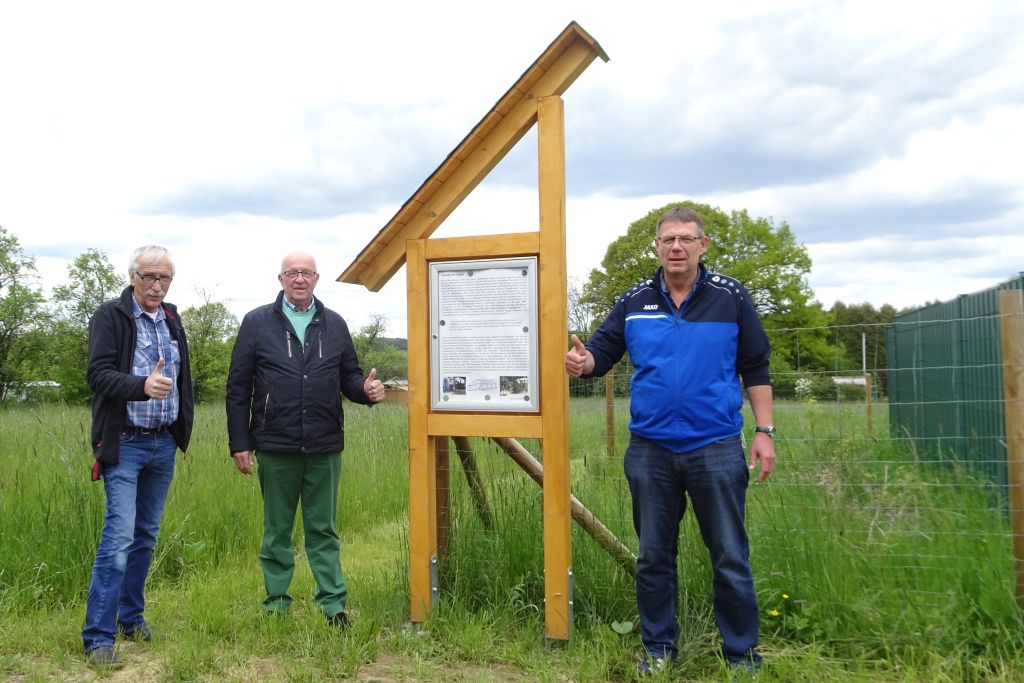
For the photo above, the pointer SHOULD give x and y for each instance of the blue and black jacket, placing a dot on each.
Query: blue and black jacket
(685, 390)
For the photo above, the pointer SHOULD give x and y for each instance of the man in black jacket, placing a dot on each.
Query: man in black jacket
(142, 410)
(292, 361)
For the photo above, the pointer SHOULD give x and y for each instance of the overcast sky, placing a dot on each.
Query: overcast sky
(888, 135)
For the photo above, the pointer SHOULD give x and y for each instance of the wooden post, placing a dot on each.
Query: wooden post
(422, 453)
(554, 383)
(476, 483)
(609, 413)
(868, 389)
(1011, 311)
(443, 479)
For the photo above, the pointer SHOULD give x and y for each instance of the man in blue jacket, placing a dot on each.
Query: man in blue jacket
(291, 363)
(691, 336)
(142, 411)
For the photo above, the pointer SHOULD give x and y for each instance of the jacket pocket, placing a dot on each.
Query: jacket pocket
(265, 415)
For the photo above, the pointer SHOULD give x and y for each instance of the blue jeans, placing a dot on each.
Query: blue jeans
(136, 490)
(716, 478)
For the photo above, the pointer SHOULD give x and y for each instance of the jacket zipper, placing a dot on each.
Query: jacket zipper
(288, 340)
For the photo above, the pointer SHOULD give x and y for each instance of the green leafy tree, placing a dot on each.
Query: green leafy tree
(21, 306)
(91, 280)
(377, 351)
(860, 332)
(581, 317)
(211, 330)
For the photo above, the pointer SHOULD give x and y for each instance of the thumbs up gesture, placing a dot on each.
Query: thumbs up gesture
(158, 386)
(373, 387)
(578, 361)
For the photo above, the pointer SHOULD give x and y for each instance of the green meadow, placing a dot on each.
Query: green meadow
(871, 563)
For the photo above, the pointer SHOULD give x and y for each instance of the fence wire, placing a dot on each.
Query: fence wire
(875, 506)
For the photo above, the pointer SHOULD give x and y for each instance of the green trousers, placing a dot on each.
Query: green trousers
(286, 481)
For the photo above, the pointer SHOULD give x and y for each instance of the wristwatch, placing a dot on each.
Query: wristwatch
(768, 429)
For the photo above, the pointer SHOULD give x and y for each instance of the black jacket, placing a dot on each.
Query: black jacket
(112, 339)
(284, 396)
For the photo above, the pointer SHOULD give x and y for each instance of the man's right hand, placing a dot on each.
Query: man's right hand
(243, 461)
(578, 361)
(158, 386)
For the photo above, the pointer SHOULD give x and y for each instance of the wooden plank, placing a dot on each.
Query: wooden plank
(483, 246)
(443, 485)
(527, 426)
(1011, 335)
(477, 163)
(422, 454)
(553, 323)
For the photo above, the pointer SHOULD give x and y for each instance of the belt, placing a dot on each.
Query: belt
(145, 430)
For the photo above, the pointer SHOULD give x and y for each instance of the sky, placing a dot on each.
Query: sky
(889, 136)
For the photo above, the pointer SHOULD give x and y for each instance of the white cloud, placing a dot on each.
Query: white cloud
(235, 132)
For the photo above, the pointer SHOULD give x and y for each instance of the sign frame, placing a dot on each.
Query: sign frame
(498, 378)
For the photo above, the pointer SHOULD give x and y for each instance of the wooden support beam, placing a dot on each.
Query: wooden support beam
(422, 453)
(475, 481)
(584, 517)
(554, 383)
(1011, 335)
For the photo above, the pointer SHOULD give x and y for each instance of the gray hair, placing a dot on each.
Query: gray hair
(681, 214)
(150, 251)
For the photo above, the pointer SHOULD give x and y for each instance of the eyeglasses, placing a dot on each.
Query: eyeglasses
(150, 279)
(685, 240)
(292, 274)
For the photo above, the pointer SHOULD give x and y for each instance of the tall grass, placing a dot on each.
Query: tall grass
(869, 564)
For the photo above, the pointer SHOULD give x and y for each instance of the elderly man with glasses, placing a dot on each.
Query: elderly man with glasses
(142, 411)
(692, 335)
(291, 363)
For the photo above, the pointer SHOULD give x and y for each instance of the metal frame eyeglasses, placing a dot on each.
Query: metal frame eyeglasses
(293, 274)
(150, 279)
(685, 240)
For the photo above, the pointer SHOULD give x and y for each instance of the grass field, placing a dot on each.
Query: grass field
(869, 564)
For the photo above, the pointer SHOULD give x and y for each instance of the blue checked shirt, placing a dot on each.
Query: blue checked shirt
(153, 340)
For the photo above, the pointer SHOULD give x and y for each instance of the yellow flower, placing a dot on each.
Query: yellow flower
(775, 612)
(785, 597)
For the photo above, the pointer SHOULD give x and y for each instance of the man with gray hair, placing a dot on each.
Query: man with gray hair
(142, 409)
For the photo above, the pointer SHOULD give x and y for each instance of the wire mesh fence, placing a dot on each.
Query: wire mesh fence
(869, 516)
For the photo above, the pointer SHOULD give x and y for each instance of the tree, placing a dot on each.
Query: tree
(21, 304)
(92, 279)
(580, 311)
(211, 330)
(376, 351)
(860, 323)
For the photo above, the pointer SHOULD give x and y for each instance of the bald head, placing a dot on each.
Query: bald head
(298, 277)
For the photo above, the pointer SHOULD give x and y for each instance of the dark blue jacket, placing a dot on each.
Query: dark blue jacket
(685, 391)
(112, 339)
(283, 394)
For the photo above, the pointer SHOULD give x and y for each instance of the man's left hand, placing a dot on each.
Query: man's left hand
(373, 387)
(762, 450)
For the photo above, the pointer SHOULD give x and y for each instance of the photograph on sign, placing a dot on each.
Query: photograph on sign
(483, 335)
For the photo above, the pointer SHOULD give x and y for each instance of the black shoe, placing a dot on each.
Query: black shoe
(103, 657)
(140, 632)
(339, 621)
